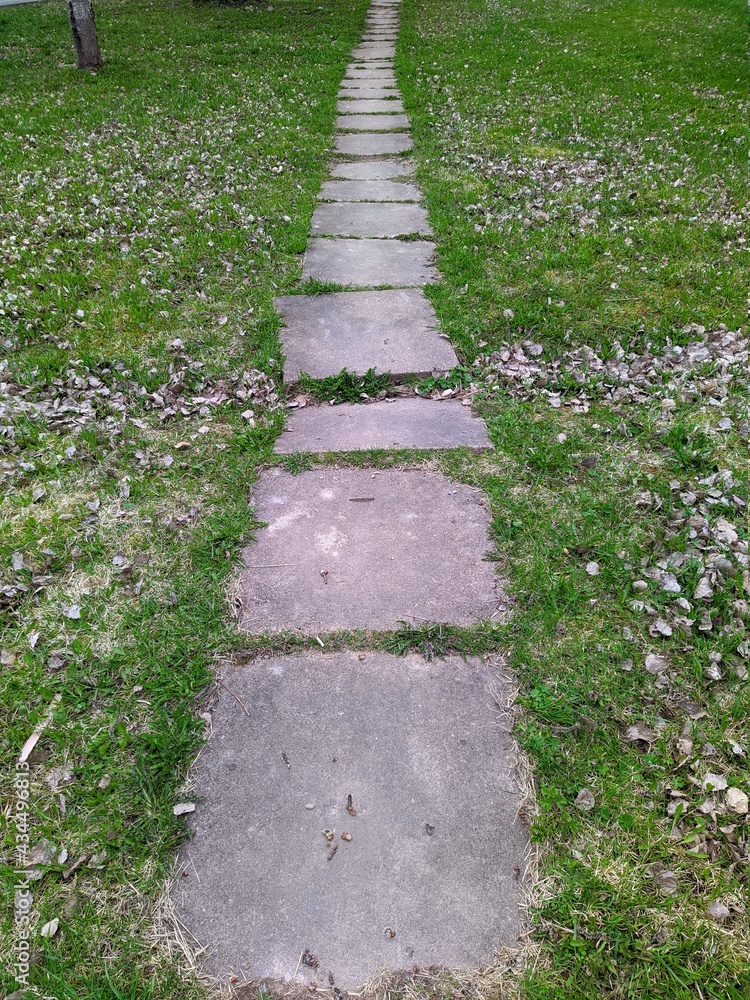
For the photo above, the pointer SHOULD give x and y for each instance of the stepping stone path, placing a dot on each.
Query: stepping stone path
(434, 841)
(356, 811)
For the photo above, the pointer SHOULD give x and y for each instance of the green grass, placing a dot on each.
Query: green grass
(167, 198)
(549, 140)
(132, 434)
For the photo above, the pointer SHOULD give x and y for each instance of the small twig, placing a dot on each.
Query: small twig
(299, 962)
(407, 615)
(236, 698)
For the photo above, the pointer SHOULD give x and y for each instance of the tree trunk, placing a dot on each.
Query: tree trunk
(81, 15)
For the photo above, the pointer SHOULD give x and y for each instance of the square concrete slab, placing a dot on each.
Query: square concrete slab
(369, 191)
(373, 144)
(423, 755)
(370, 263)
(363, 219)
(351, 549)
(369, 108)
(372, 169)
(372, 123)
(391, 331)
(392, 423)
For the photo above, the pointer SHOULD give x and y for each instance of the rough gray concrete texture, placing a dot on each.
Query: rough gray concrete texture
(366, 93)
(369, 191)
(374, 52)
(366, 219)
(371, 170)
(393, 423)
(372, 123)
(370, 263)
(357, 548)
(428, 761)
(391, 331)
(368, 108)
(370, 74)
(373, 144)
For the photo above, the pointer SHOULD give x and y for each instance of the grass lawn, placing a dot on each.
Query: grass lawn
(584, 172)
(150, 214)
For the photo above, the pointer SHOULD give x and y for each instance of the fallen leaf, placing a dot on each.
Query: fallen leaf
(737, 801)
(73, 611)
(717, 911)
(640, 732)
(50, 928)
(660, 627)
(726, 532)
(714, 782)
(42, 853)
(585, 800)
(667, 882)
(656, 664)
(692, 708)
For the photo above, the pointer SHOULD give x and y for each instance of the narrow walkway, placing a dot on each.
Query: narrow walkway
(369, 204)
(356, 810)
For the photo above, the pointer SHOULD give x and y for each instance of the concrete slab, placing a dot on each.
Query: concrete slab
(370, 263)
(435, 840)
(372, 123)
(374, 52)
(393, 331)
(370, 74)
(367, 219)
(369, 191)
(369, 108)
(393, 423)
(372, 144)
(353, 92)
(372, 169)
(346, 549)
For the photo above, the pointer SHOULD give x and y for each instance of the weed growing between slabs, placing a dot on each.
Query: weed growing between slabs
(151, 213)
(584, 172)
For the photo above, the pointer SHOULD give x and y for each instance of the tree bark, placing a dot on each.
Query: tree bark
(81, 15)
